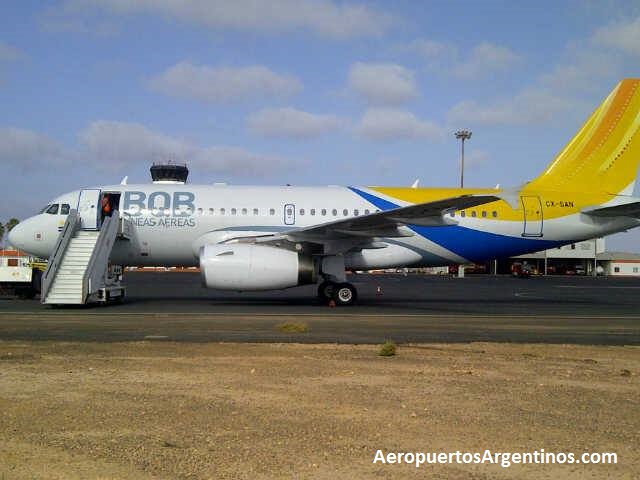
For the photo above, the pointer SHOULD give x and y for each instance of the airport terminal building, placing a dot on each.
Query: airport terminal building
(579, 258)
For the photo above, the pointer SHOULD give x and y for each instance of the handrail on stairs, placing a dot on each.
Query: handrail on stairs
(71, 225)
(95, 274)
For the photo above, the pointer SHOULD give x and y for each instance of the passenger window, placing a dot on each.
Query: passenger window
(64, 209)
(323, 212)
(473, 213)
(356, 212)
(200, 212)
(484, 214)
(234, 211)
(256, 212)
(452, 214)
(335, 212)
(312, 212)
(53, 209)
(272, 211)
(302, 211)
(366, 211)
(463, 214)
(222, 211)
(494, 214)
(211, 211)
(244, 211)
(345, 212)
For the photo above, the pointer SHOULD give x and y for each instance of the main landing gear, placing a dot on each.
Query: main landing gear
(341, 293)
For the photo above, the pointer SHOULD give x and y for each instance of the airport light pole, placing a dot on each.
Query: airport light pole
(462, 135)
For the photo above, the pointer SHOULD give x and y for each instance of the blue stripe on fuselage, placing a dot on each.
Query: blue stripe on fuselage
(466, 242)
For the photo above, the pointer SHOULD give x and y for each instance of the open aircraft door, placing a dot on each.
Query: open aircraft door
(88, 208)
(533, 220)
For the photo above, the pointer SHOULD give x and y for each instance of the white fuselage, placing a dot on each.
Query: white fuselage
(172, 222)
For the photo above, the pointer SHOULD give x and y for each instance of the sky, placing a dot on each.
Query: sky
(306, 92)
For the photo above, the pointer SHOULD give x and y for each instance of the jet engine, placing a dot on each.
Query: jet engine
(245, 267)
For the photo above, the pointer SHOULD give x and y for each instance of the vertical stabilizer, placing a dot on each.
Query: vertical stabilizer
(605, 153)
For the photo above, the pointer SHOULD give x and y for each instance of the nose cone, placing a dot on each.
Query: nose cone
(17, 237)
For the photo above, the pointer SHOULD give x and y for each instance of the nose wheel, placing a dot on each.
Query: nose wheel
(343, 294)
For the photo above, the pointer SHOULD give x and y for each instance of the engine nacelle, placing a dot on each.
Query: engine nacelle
(254, 267)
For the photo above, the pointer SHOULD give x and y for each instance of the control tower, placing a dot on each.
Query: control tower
(169, 173)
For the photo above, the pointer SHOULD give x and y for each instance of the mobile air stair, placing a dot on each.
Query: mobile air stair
(79, 272)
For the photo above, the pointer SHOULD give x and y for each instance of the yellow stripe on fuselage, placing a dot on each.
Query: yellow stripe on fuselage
(555, 204)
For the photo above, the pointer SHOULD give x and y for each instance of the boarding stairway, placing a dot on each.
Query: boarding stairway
(78, 271)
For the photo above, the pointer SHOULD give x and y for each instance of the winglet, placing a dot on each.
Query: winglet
(124, 180)
(416, 183)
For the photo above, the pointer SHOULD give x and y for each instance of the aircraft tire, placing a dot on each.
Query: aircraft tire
(345, 294)
(325, 290)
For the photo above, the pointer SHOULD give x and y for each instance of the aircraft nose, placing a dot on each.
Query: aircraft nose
(17, 237)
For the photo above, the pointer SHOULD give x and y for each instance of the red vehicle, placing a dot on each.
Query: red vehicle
(521, 270)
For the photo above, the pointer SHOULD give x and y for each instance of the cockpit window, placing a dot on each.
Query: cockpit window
(64, 209)
(53, 209)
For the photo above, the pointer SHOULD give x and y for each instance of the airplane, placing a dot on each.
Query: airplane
(247, 238)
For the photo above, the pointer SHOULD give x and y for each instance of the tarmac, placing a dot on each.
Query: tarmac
(406, 309)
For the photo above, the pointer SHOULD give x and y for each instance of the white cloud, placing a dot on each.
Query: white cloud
(386, 124)
(292, 123)
(323, 17)
(483, 59)
(9, 53)
(624, 36)
(115, 146)
(476, 158)
(486, 58)
(530, 106)
(431, 49)
(383, 83)
(220, 84)
(73, 17)
(582, 73)
(24, 149)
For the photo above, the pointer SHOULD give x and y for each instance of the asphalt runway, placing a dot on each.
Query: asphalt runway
(413, 308)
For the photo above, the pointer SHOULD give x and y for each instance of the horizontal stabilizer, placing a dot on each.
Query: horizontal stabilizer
(625, 210)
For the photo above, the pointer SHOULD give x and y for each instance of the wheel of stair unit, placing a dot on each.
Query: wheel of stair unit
(344, 294)
(36, 280)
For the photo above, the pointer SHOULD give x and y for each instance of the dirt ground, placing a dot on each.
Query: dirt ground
(178, 410)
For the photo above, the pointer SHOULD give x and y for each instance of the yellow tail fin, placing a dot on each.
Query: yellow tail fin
(605, 153)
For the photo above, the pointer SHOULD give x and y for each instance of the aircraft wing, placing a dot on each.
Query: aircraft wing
(625, 210)
(383, 224)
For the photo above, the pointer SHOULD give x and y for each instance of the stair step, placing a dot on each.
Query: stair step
(65, 295)
(64, 301)
(66, 286)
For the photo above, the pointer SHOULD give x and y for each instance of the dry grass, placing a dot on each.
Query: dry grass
(293, 327)
(388, 349)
